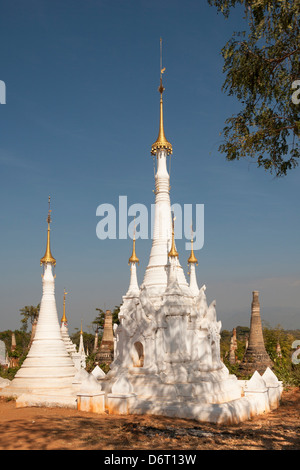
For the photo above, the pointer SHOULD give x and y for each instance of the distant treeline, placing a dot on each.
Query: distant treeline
(285, 370)
(278, 344)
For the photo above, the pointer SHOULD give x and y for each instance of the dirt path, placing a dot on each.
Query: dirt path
(65, 429)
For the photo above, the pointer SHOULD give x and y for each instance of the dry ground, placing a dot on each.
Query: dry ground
(66, 429)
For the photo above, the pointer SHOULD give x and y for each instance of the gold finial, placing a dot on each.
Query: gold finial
(133, 258)
(81, 332)
(173, 253)
(64, 318)
(161, 142)
(48, 258)
(192, 258)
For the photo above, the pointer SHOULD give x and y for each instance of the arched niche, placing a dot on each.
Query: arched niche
(138, 354)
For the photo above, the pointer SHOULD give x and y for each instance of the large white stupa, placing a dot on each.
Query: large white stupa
(167, 355)
(48, 369)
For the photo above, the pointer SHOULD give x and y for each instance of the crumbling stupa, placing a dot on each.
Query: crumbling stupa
(233, 347)
(105, 355)
(256, 356)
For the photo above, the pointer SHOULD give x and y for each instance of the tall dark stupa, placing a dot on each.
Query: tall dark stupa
(256, 356)
(105, 354)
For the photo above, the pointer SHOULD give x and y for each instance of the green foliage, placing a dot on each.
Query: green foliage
(22, 341)
(104, 367)
(283, 368)
(88, 340)
(274, 336)
(29, 313)
(288, 372)
(233, 368)
(261, 64)
(10, 372)
(241, 333)
(90, 362)
(115, 315)
(100, 318)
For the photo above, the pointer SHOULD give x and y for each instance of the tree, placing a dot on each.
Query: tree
(88, 340)
(274, 336)
(100, 318)
(115, 314)
(22, 340)
(29, 313)
(283, 367)
(263, 71)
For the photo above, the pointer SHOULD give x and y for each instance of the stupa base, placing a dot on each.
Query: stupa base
(227, 413)
(19, 386)
(55, 397)
(47, 401)
(230, 401)
(231, 412)
(215, 386)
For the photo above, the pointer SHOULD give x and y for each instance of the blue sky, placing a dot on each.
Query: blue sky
(81, 114)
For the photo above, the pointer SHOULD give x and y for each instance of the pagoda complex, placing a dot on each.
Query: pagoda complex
(167, 344)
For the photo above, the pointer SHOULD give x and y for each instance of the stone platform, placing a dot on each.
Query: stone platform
(46, 401)
(258, 395)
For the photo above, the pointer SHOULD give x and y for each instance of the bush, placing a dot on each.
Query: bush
(283, 368)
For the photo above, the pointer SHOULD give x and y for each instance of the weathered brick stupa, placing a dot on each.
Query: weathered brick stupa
(233, 347)
(105, 354)
(256, 356)
(48, 370)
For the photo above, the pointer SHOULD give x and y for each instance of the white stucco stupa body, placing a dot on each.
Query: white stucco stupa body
(78, 357)
(167, 355)
(48, 371)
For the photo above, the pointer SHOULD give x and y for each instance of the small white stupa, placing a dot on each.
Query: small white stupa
(192, 262)
(48, 371)
(79, 358)
(133, 288)
(70, 346)
(81, 351)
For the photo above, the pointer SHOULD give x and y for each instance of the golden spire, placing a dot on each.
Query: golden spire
(64, 318)
(133, 258)
(81, 332)
(173, 252)
(48, 258)
(161, 142)
(192, 258)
